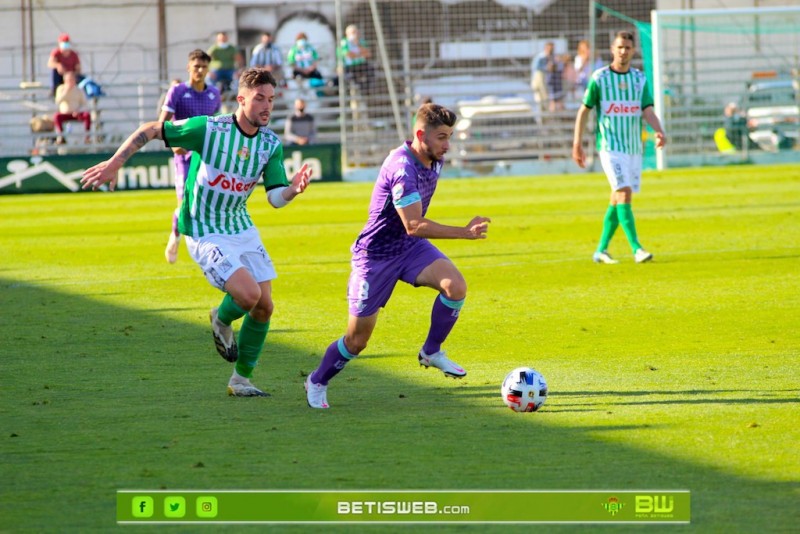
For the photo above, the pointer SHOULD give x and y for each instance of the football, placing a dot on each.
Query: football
(524, 390)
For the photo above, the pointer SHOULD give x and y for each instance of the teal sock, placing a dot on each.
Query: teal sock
(625, 214)
(229, 311)
(252, 336)
(610, 223)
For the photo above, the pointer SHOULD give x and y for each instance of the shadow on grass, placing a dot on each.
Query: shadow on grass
(98, 397)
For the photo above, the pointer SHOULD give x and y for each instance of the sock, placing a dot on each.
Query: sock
(625, 214)
(229, 311)
(251, 340)
(443, 317)
(610, 223)
(335, 358)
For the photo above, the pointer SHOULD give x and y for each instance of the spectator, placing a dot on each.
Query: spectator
(63, 59)
(300, 128)
(224, 57)
(267, 55)
(303, 59)
(72, 106)
(735, 125)
(554, 80)
(539, 75)
(355, 56)
(583, 66)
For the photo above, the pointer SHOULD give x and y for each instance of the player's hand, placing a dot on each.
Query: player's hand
(102, 173)
(579, 156)
(478, 227)
(661, 139)
(301, 180)
(178, 151)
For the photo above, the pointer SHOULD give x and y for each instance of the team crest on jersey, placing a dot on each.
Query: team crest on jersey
(244, 153)
(623, 85)
(397, 192)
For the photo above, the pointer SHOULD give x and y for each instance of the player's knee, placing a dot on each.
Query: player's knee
(355, 344)
(250, 299)
(455, 288)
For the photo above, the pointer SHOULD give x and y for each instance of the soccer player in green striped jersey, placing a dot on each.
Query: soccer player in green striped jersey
(622, 98)
(230, 154)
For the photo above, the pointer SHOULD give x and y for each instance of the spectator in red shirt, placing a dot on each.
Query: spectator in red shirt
(63, 59)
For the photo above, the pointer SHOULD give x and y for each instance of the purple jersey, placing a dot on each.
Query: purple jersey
(402, 181)
(184, 102)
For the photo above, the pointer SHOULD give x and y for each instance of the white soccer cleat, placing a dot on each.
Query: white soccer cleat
(443, 363)
(604, 257)
(223, 338)
(642, 256)
(316, 394)
(171, 252)
(245, 389)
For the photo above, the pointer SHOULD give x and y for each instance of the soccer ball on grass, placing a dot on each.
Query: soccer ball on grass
(524, 390)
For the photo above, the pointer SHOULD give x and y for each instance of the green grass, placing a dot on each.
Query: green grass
(678, 374)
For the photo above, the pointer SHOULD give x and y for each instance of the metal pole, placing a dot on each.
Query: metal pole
(387, 70)
(340, 74)
(162, 41)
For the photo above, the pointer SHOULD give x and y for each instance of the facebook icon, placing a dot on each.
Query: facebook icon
(142, 507)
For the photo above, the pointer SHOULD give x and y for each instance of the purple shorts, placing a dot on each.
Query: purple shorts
(372, 281)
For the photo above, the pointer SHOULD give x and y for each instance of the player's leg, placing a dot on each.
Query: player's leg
(252, 336)
(369, 287)
(337, 356)
(610, 224)
(632, 167)
(181, 163)
(442, 275)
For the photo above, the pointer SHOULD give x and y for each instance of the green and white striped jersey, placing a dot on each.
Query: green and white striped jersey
(225, 168)
(619, 100)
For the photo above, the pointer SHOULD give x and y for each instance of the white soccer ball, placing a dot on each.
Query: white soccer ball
(524, 390)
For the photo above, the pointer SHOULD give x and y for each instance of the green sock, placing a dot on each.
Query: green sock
(252, 336)
(610, 223)
(229, 311)
(625, 214)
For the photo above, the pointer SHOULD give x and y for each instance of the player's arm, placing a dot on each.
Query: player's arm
(106, 171)
(167, 116)
(418, 226)
(278, 192)
(577, 139)
(649, 115)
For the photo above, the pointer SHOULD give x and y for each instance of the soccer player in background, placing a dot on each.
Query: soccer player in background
(394, 246)
(230, 153)
(191, 99)
(622, 98)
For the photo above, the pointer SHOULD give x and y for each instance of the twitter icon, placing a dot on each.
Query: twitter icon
(174, 507)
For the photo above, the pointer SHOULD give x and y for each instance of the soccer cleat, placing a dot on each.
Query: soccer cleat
(443, 363)
(223, 338)
(604, 257)
(171, 252)
(316, 394)
(245, 389)
(642, 256)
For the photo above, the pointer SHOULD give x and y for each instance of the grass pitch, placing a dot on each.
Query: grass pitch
(678, 374)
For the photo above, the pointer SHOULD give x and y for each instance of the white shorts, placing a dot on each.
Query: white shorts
(622, 170)
(219, 256)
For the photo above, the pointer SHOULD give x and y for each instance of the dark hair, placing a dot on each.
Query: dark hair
(434, 115)
(256, 77)
(624, 34)
(199, 54)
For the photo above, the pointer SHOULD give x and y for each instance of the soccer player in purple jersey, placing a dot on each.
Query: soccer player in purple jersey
(394, 246)
(184, 100)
